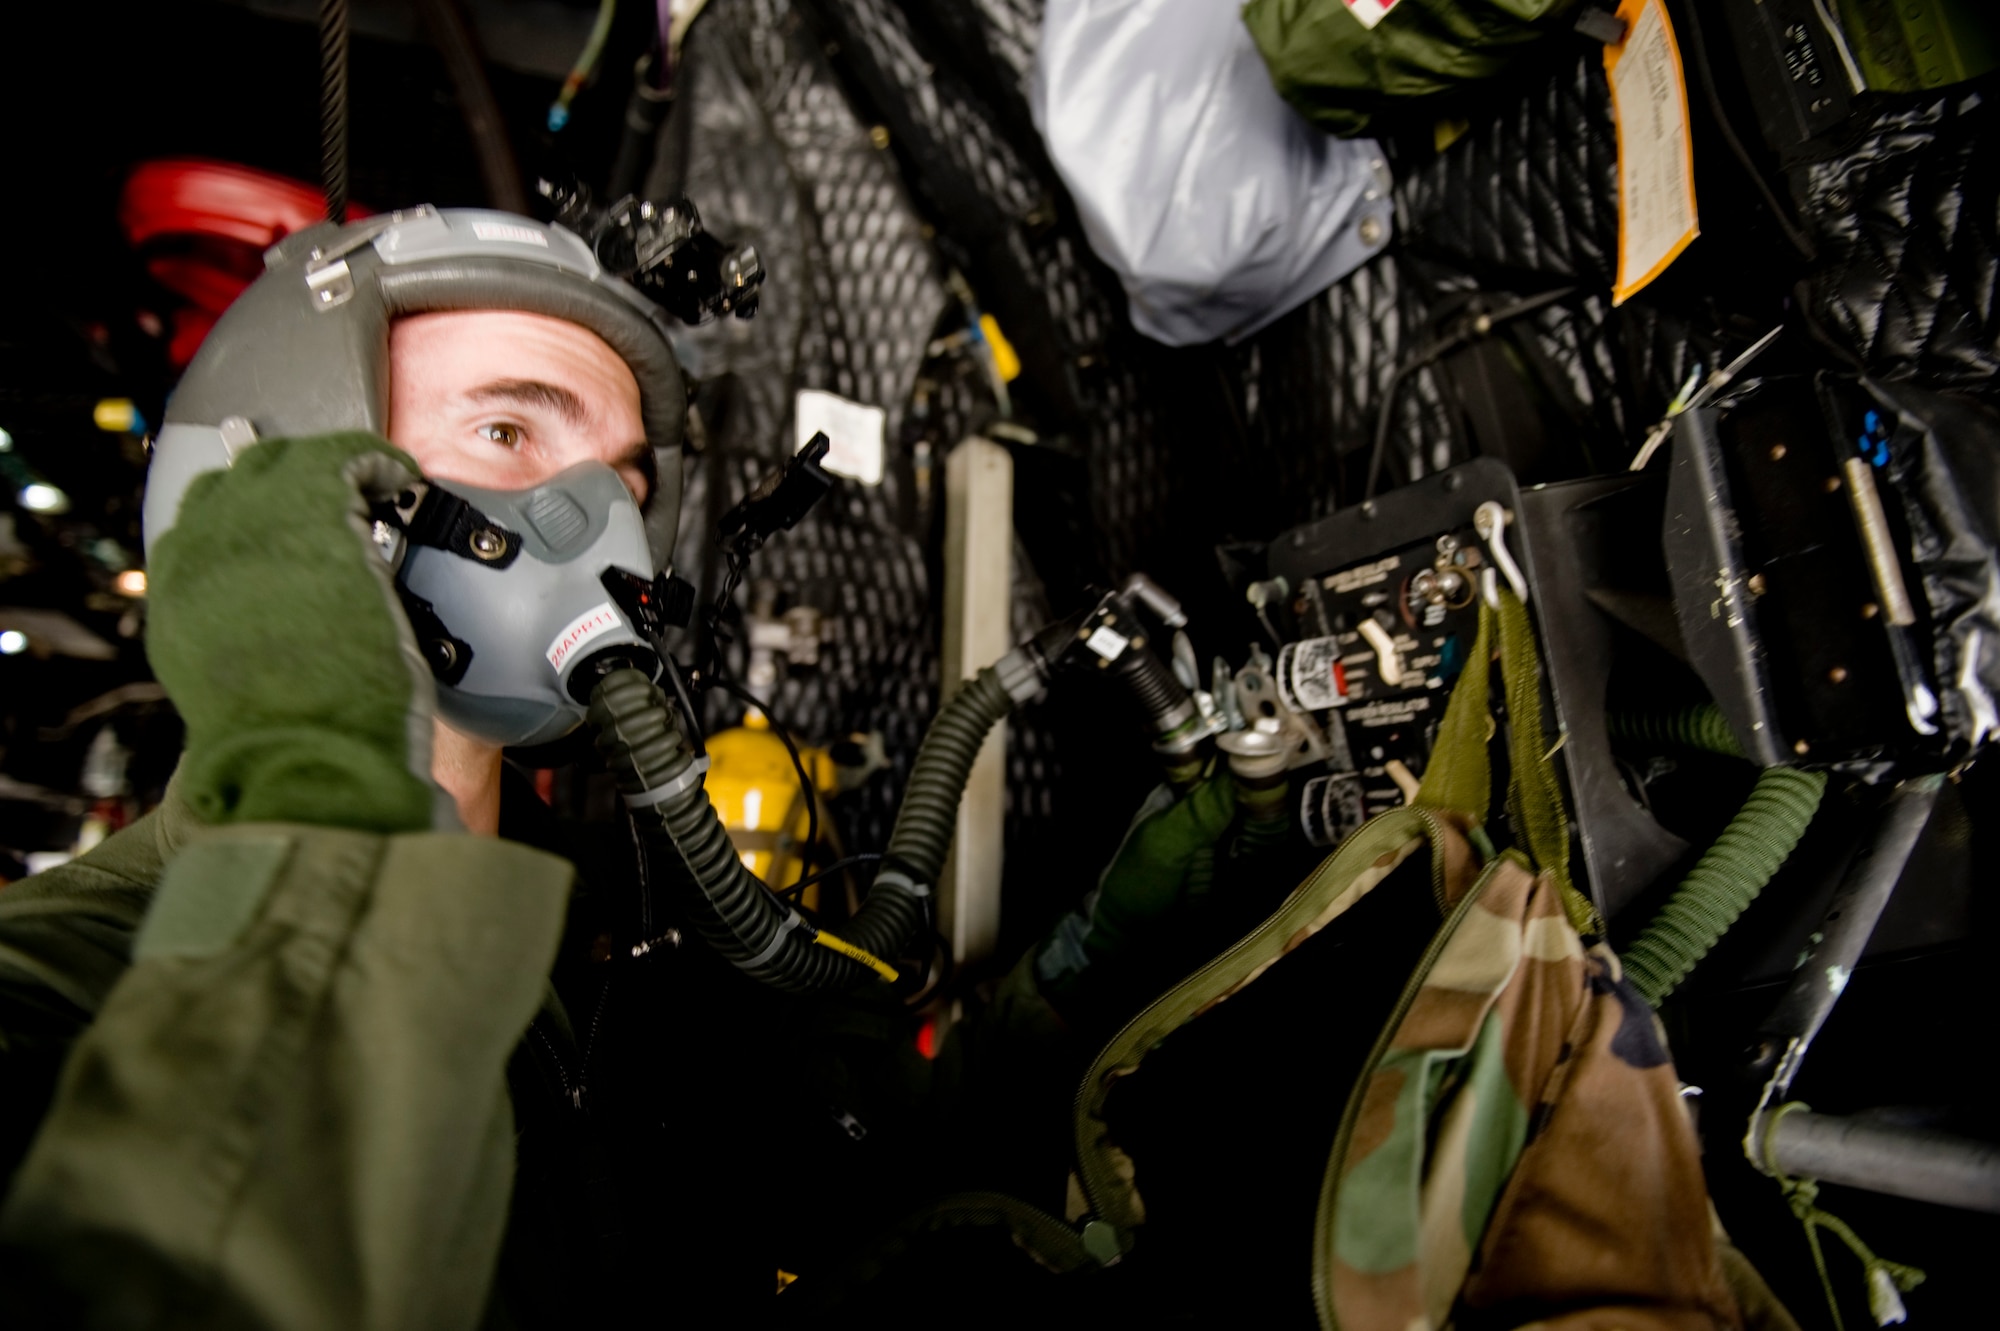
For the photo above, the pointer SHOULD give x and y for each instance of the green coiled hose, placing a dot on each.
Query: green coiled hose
(1730, 874)
(1703, 728)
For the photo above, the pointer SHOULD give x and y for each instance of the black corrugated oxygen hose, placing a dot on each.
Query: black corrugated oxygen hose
(1172, 721)
(640, 736)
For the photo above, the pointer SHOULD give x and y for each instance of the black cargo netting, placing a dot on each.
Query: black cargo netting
(1376, 312)
(1013, 32)
(853, 299)
(947, 112)
(852, 295)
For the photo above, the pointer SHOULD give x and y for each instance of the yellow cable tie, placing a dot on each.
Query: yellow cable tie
(853, 953)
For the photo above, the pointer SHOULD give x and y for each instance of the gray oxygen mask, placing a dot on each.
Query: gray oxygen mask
(522, 599)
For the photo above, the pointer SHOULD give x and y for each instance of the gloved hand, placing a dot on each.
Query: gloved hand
(1166, 862)
(275, 627)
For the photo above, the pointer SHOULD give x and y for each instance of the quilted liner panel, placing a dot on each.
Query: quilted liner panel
(1530, 189)
(1907, 220)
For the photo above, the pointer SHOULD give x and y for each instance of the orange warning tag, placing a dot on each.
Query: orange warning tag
(1656, 215)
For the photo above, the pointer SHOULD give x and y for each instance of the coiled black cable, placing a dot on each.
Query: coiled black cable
(333, 45)
(796, 891)
(1173, 723)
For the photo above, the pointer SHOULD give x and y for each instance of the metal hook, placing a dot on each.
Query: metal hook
(1490, 521)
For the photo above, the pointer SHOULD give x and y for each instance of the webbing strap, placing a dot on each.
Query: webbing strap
(1534, 794)
(1460, 775)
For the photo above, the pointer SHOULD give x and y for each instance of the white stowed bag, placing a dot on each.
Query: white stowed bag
(1219, 207)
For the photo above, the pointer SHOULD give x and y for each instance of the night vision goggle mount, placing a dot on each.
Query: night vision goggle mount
(661, 249)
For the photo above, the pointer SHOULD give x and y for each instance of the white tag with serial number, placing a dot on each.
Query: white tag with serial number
(854, 431)
(1107, 643)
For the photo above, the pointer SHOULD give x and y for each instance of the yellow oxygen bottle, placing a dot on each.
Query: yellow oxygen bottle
(755, 791)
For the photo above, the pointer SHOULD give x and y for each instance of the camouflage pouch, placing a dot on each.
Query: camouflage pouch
(1513, 1149)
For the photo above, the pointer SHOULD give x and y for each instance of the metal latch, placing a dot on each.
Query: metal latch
(327, 274)
(331, 284)
(1490, 520)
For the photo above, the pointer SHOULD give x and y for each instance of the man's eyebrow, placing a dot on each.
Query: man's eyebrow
(535, 393)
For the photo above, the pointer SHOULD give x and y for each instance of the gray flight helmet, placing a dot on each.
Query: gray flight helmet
(305, 351)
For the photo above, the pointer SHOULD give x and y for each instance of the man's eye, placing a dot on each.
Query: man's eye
(501, 433)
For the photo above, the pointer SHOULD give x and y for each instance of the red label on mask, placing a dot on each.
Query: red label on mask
(586, 626)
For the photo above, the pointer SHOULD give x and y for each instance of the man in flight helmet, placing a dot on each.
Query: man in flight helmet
(394, 521)
(397, 521)
(503, 359)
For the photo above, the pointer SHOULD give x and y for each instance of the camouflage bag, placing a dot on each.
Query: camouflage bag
(1513, 1149)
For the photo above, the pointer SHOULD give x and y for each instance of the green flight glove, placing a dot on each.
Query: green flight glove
(275, 627)
(1166, 862)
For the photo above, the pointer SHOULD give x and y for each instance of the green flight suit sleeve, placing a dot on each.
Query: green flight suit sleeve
(65, 942)
(291, 1112)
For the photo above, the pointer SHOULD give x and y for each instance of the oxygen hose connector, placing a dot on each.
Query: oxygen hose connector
(660, 778)
(1259, 763)
(1112, 636)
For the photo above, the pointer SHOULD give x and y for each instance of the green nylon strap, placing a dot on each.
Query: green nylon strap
(1460, 776)
(1358, 866)
(1534, 794)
